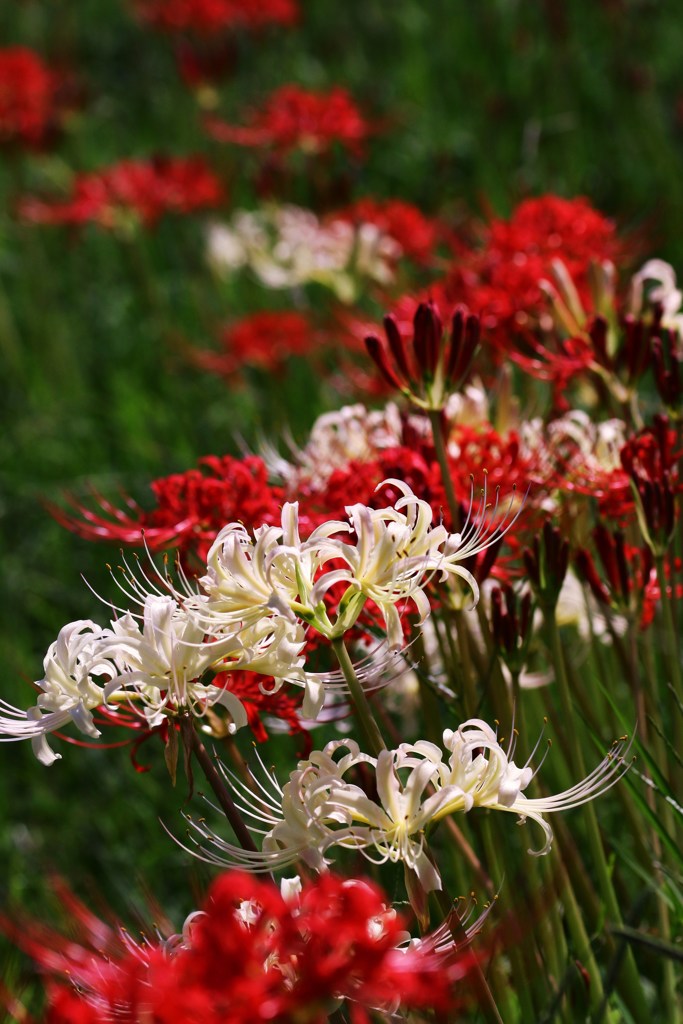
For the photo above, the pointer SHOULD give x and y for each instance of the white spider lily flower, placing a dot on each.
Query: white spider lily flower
(388, 555)
(350, 434)
(155, 662)
(69, 691)
(415, 785)
(273, 574)
(162, 663)
(665, 293)
(287, 246)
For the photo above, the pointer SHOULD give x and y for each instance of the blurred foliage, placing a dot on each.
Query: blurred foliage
(483, 103)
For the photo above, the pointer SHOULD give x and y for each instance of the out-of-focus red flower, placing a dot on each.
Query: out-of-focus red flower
(501, 280)
(477, 456)
(203, 16)
(201, 62)
(262, 340)
(628, 581)
(650, 456)
(146, 189)
(191, 508)
(651, 462)
(250, 955)
(293, 118)
(28, 96)
(417, 235)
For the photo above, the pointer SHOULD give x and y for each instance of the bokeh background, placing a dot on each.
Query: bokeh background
(482, 104)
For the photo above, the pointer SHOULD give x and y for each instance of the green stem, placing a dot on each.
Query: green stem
(366, 720)
(213, 777)
(470, 700)
(630, 980)
(431, 706)
(442, 459)
(582, 944)
(671, 650)
(523, 984)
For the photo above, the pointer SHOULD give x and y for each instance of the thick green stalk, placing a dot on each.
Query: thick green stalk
(523, 985)
(470, 699)
(431, 706)
(366, 720)
(582, 943)
(442, 459)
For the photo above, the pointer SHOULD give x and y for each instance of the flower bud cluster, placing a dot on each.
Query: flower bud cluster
(438, 363)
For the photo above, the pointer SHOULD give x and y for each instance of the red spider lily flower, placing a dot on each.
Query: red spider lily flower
(651, 462)
(258, 702)
(191, 508)
(435, 367)
(252, 953)
(560, 365)
(647, 463)
(501, 280)
(417, 235)
(621, 369)
(625, 584)
(142, 189)
(29, 90)
(548, 356)
(265, 341)
(206, 16)
(293, 118)
(475, 455)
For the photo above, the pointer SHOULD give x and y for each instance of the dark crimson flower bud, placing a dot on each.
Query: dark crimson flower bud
(586, 567)
(428, 332)
(379, 356)
(398, 347)
(656, 510)
(635, 353)
(626, 571)
(438, 364)
(465, 334)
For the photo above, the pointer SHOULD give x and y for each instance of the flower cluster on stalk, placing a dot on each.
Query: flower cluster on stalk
(293, 118)
(259, 593)
(143, 190)
(325, 803)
